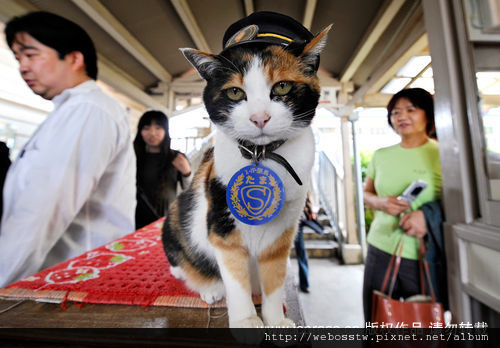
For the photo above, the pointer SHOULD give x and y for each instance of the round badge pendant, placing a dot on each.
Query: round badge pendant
(255, 194)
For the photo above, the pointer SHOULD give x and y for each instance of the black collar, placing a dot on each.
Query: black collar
(259, 152)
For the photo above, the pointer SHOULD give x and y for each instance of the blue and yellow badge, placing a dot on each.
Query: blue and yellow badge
(255, 194)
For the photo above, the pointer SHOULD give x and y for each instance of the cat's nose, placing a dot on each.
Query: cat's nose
(260, 119)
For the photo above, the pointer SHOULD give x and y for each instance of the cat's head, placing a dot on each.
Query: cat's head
(261, 90)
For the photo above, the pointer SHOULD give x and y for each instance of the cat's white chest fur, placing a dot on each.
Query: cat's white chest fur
(260, 94)
(299, 152)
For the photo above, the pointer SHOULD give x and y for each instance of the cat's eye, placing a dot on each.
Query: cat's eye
(282, 88)
(235, 93)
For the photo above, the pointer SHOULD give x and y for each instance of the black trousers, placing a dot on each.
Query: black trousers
(377, 261)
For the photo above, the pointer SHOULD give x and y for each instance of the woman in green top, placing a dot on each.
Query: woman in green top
(391, 170)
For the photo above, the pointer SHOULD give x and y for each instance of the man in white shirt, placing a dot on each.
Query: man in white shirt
(72, 188)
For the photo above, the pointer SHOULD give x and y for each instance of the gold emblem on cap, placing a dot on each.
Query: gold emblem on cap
(276, 36)
(245, 34)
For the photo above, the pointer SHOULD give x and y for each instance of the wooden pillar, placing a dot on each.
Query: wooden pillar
(171, 102)
(352, 237)
(351, 251)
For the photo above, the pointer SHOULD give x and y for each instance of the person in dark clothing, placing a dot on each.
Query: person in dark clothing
(308, 219)
(4, 167)
(159, 168)
(436, 253)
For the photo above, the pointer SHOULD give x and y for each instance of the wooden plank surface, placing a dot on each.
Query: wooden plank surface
(51, 315)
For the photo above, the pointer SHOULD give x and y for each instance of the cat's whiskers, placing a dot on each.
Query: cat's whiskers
(304, 114)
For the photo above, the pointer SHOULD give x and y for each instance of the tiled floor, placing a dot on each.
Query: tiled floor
(335, 294)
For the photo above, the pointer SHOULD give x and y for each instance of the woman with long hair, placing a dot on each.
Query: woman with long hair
(159, 168)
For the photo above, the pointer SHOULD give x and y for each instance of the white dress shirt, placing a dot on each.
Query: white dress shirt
(72, 187)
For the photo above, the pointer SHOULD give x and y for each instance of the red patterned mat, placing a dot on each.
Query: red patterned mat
(132, 270)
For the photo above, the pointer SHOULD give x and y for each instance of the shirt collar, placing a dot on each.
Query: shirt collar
(78, 89)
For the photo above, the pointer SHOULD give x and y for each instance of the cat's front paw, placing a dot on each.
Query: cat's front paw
(211, 297)
(178, 273)
(286, 323)
(213, 293)
(251, 322)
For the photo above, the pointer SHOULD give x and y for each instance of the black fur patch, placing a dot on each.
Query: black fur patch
(305, 110)
(187, 204)
(170, 240)
(205, 265)
(177, 247)
(219, 217)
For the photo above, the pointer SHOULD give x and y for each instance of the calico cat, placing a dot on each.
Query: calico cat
(256, 94)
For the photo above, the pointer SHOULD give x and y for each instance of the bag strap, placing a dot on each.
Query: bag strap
(388, 271)
(391, 264)
(421, 255)
(396, 267)
(393, 269)
(425, 264)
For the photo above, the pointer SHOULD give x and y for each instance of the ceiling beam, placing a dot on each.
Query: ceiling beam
(118, 80)
(402, 51)
(376, 100)
(249, 8)
(187, 17)
(416, 49)
(376, 29)
(100, 14)
(419, 75)
(101, 60)
(309, 13)
(12, 8)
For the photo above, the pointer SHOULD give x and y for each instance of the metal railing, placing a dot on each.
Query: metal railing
(331, 195)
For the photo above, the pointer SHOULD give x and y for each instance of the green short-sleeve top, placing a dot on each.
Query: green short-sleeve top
(393, 169)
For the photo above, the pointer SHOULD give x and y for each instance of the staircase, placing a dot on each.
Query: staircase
(320, 245)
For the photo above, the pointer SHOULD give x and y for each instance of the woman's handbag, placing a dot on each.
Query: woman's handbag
(418, 311)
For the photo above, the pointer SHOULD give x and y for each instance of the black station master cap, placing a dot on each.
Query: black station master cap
(266, 27)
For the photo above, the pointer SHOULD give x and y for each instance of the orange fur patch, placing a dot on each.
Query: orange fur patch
(209, 174)
(234, 256)
(174, 215)
(284, 66)
(246, 57)
(205, 170)
(272, 262)
(211, 170)
(236, 80)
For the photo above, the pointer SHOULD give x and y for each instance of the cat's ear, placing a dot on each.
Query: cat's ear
(311, 51)
(205, 63)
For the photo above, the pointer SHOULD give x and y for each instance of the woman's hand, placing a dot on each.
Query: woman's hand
(392, 205)
(181, 163)
(413, 223)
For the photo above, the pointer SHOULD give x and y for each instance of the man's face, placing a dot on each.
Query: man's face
(40, 66)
